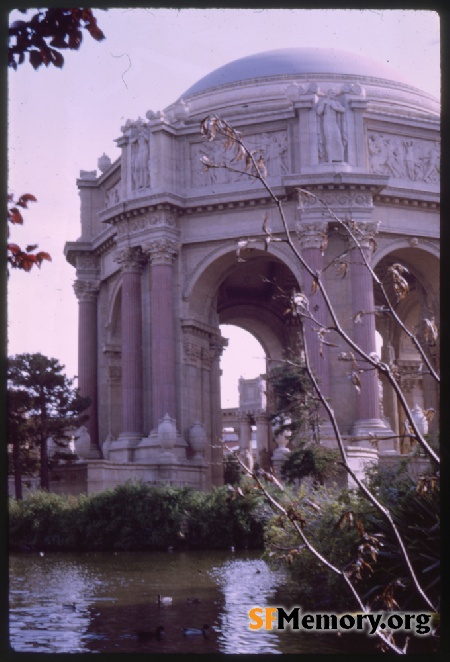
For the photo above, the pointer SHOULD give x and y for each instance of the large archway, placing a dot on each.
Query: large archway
(416, 309)
(251, 293)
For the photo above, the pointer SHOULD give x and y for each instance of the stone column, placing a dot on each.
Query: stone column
(86, 292)
(132, 261)
(216, 347)
(162, 254)
(368, 401)
(312, 241)
(262, 439)
(390, 403)
(312, 237)
(245, 439)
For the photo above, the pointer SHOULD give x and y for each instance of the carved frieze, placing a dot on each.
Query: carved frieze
(160, 218)
(86, 262)
(402, 158)
(336, 200)
(112, 195)
(273, 147)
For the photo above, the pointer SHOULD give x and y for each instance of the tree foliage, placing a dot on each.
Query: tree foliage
(313, 460)
(44, 403)
(47, 33)
(17, 257)
(294, 403)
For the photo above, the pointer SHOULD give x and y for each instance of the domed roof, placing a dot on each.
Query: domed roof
(295, 61)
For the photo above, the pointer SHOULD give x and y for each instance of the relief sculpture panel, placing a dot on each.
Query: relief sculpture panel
(273, 147)
(403, 158)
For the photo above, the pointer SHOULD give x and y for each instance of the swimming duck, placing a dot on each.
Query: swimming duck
(70, 606)
(145, 635)
(193, 632)
(164, 600)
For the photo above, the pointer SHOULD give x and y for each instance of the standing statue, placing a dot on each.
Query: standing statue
(410, 159)
(140, 163)
(330, 108)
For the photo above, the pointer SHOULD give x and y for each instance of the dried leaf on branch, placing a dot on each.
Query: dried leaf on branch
(400, 284)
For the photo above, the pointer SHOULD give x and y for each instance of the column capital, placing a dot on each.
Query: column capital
(312, 235)
(131, 259)
(86, 290)
(364, 232)
(162, 251)
(216, 346)
(243, 416)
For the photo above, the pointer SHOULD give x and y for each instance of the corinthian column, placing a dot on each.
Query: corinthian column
(162, 253)
(312, 237)
(86, 292)
(132, 262)
(368, 402)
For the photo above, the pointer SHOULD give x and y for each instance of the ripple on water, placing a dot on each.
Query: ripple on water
(245, 584)
(115, 596)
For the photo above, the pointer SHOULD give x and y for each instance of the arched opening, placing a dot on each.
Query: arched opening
(251, 301)
(243, 389)
(243, 357)
(418, 304)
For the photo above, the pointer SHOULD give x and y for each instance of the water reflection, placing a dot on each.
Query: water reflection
(97, 602)
(245, 584)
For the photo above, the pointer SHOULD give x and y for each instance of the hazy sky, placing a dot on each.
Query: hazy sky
(61, 121)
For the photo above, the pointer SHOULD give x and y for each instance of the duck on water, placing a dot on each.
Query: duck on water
(195, 632)
(164, 600)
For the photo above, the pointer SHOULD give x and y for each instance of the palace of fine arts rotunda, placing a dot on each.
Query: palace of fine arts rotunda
(158, 271)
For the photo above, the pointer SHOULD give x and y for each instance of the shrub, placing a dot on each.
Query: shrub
(321, 511)
(133, 517)
(42, 521)
(224, 518)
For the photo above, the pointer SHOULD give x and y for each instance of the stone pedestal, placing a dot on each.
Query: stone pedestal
(359, 460)
(280, 454)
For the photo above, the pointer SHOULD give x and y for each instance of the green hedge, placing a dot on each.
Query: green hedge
(136, 516)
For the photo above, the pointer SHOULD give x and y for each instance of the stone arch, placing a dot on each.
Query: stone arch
(252, 293)
(113, 323)
(227, 251)
(420, 303)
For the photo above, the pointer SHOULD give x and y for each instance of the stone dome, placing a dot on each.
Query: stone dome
(288, 62)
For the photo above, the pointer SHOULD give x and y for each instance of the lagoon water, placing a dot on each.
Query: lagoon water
(100, 602)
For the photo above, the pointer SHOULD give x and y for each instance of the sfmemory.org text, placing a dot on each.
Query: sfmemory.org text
(270, 617)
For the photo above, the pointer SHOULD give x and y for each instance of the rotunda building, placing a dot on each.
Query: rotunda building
(159, 268)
